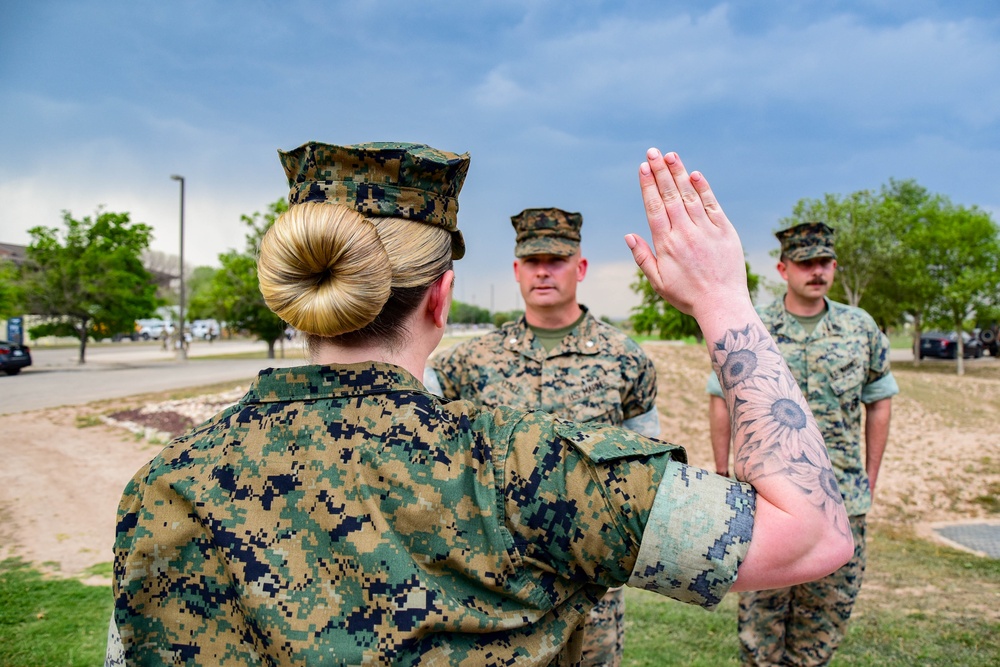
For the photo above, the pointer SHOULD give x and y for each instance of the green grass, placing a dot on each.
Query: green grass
(50, 621)
(922, 604)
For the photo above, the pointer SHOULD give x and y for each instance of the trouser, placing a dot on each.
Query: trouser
(604, 632)
(804, 624)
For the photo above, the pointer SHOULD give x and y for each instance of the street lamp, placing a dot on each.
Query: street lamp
(181, 351)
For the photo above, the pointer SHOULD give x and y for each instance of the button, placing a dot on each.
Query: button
(590, 343)
(511, 341)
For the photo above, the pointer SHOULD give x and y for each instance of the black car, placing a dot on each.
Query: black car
(13, 357)
(945, 345)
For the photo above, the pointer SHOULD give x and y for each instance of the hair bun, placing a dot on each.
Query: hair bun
(323, 269)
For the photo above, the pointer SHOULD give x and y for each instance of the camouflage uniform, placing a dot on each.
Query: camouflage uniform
(343, 515)
(841, 365)
(595, 374)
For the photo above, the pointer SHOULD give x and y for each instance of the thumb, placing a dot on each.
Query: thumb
(644, 259)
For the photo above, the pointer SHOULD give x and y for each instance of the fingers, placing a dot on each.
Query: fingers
(708, 200)
(656, 214)
(644, 259)
(681, 195)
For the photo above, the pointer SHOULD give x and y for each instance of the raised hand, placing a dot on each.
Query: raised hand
(696, 261)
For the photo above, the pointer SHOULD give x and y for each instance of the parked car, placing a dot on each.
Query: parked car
(989, 336)
(152, 328)
(205, 329)
(945, 345)
(13, 357)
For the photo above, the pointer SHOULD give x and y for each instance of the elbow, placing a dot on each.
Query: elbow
(835, 552)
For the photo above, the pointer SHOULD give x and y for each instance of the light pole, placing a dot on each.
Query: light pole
(181, 350)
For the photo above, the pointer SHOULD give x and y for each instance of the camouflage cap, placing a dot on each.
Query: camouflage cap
(546, 231)
(402, 180)
(807, 241)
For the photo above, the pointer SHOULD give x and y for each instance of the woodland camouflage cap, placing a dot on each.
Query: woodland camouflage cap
(546, 231)
(389, 179)
(807, 241)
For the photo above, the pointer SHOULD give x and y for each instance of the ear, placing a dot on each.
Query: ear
(581, 269)
(517, 270)
(439, 298)
(782, 270)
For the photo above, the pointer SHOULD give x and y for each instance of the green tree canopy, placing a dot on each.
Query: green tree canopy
(88, 281)
(466, 313)
(961, 251)
(200, 305)
(11, 294)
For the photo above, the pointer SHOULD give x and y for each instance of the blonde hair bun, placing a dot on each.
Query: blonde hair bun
(323, 269)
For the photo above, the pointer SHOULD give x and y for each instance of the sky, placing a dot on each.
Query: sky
(556, 102)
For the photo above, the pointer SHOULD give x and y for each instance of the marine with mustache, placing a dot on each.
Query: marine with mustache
(560, 359)
(840, 359)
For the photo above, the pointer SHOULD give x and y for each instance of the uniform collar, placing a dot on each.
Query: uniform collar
(329, 381)
(582, 339)
(787, 325)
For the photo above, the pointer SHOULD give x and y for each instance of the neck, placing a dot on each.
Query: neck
(803, 307)
(553, 318)
(411, 353)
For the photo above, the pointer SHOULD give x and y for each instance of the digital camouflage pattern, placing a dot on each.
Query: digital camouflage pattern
(546, 231)
(807, 241)
(343, 515)
(842, 365)
(401, 180)
(596, 374)
(802, 625)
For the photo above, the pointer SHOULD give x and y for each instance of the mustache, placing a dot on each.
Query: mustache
(816, 281)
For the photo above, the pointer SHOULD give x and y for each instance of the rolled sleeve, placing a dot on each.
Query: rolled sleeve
(712, 386)
(697, 535)
(647, 424)
(884, 387)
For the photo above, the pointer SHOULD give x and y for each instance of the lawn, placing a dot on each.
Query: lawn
(922, 605)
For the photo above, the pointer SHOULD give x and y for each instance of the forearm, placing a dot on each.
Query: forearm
(721, 433)
(877, 417)
(801, 529)
(696, 262)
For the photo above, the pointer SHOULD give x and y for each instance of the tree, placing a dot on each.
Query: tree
(655, 315)
(11, 295)
(235, 289)
(467, 313)
(199, 292)
(90, 282)
(961, 251)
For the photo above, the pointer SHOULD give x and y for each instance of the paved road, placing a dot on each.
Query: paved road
(113, 371)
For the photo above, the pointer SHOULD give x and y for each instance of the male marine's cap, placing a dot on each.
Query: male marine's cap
(546, 231)
(401, 180)
(807, 241)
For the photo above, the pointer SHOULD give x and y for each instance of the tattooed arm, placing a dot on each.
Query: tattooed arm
(800, 528)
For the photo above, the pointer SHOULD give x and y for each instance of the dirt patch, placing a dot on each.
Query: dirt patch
(64, 469)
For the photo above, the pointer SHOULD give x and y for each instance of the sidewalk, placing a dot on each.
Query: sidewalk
(128, 354)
